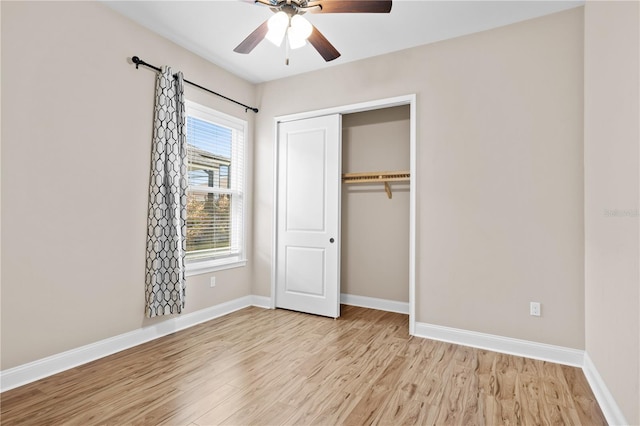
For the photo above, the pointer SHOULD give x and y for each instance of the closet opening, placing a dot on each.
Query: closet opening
(375, 209)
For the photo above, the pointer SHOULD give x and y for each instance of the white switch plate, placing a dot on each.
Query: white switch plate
(212, 282)
(534, 309)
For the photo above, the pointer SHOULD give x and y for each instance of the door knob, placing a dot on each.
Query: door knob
(331, 240)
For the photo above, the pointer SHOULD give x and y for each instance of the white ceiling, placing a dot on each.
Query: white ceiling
(212, 29)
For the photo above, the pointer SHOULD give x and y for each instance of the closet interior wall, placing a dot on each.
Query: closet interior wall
(375, 229)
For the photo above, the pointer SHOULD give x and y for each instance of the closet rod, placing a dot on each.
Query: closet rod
(376, 177)
(136, 60)
(384, 177)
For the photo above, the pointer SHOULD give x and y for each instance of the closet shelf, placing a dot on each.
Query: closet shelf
(373, 177)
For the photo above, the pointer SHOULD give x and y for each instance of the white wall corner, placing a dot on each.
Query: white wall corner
(607, 403)
(507, 345)
(374, 303)
(45, 367)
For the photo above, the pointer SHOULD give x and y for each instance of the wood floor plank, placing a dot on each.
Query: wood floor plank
(373, 402)
(275, 413)
(528, 394)
(277, 367)
(337, 409)
(369, 407)
(402, 410)
(187, 407)
(586, 407)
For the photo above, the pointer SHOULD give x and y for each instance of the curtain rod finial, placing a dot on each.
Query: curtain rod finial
(136, 61)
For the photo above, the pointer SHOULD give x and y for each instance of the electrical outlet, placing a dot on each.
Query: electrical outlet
(212, 282)
(534, 309)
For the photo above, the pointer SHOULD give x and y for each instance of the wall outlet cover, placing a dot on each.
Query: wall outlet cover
(534, 309)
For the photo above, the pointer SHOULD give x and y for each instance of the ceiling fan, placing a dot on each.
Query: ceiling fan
(289, 24)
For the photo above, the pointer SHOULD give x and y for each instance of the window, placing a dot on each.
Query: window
(215, 196)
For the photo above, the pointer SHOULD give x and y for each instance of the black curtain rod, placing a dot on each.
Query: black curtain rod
(139, 62)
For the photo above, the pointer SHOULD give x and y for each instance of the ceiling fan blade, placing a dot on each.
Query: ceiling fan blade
(350, 6)
(252, 39)
(322, 45)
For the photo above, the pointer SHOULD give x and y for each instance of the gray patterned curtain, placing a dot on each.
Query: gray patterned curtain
(166, 243)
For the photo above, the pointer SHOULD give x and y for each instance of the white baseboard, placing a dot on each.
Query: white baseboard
(374, 303)
(30, 372)
(261, 302)
(607, 403)
(508, 345)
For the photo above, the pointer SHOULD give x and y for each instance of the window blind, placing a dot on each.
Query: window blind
(215, 199)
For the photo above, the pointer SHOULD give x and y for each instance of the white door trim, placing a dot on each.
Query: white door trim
(347, 109)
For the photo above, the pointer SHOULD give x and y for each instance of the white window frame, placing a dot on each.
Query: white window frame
(211, 264)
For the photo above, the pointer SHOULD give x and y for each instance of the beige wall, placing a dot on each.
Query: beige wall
(375, 230)
(500, 173)
(75, 170)
(612, 185)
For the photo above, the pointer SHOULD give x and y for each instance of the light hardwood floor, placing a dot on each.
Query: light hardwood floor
(271, 367)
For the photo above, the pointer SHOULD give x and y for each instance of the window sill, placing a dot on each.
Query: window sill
(203, 267)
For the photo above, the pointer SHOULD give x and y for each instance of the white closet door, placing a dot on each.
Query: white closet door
(308, 216)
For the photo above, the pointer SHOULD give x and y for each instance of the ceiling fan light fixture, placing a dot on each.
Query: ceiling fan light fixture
(295, 41)
(301, 26)
(277, 25)
(299, 31)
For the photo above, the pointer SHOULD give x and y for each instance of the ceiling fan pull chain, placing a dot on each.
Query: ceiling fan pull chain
(287, 51)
